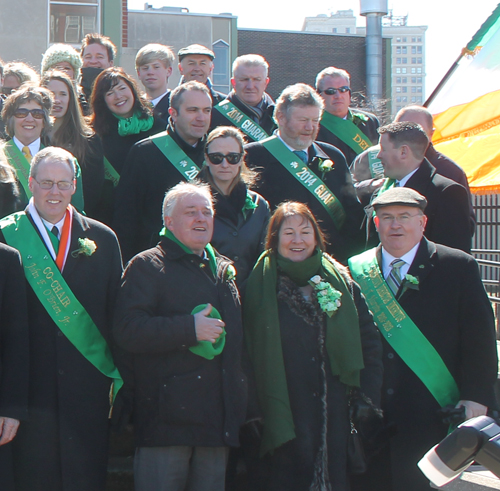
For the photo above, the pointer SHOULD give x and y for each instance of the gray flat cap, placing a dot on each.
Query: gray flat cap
(400, 196)
(195, 49)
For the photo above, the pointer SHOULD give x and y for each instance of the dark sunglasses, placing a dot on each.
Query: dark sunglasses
(217, 158)
(333, 91)
(22, 112)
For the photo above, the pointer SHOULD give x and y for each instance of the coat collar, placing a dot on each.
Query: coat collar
(422, 178)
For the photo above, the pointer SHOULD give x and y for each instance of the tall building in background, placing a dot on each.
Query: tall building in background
(408, 51)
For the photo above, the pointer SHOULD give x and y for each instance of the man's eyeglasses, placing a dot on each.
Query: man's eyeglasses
(23, 113)
(217, 158)
(334, 90)
(62, 185)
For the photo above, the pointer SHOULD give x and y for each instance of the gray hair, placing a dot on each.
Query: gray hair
(21, 71)
(177, 94)
(183, 188)
(154, 51)
(250, 60)
(297, 95)
(54, 154)
(332, 71)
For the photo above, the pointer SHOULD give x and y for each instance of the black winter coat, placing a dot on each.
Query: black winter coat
(180, 398)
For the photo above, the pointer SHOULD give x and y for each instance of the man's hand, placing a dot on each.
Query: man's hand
(472, 409)
(207, 329)
(8, 429)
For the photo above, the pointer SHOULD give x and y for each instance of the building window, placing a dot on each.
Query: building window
(403, 70)
(419, 99)
(398, 80)
(413, 99)
(404, 40)
(404, 61)
(404, 50)
(398, 89)
(334, 30)
(398, 70)
(398, 61)
(419, 50)
(419, 70)
(413, 80)
(413, 70)
(405, 89)
(414, 89)
(398, 99)
(419, 80)
(348, 30)
(221, 66)
(71, 21)
(419, 61)
(405, 80)
(398, 50)
(413, 40)
(398, 40)
(413, 61)
(419, 89)
(413, 50)
(404, 99)
(419, 40)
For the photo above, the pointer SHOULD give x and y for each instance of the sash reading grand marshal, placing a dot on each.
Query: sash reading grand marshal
(307, 178)
(177, 157)
(54, 294)
(401, 332)
(241, 120)
(347, 131)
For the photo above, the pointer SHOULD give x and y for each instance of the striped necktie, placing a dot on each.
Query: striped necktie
(394, 278)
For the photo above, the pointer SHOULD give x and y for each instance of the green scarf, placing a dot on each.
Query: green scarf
(208, 249)
(133, 125)
(300, 272)
(263, 338)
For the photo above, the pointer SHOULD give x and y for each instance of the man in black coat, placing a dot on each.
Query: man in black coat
(14, 358)
(350, 130)
(297, 113)
(247, 106)
(153, 63)
(196, 63)
(73, 267)
(148, 172)
(189, 390)
(438, 289)
(402, 150)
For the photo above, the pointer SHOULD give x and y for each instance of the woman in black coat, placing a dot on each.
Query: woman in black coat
(241, 215)
(71, 132)
(311, 341)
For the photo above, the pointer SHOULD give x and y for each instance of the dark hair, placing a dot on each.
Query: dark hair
(73, 132)
(177, 95)
(26, 93)
(407, 133)
(102, 119)
(94, 38)
(289, 209)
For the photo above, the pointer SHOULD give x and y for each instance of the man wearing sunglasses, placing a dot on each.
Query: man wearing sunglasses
(158, 163)
(248, 106)
(350, 130)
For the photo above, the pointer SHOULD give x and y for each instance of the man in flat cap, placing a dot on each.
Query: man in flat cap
(196, 62)
(439, 337)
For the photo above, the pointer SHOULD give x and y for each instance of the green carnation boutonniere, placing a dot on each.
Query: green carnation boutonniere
(359, 118)
(87, 247)
(328, 297)
(230, 273)
(410, 282)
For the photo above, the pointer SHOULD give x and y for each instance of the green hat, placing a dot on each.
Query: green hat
(206, 349)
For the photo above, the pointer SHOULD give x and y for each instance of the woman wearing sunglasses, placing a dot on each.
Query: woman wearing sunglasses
(241, 215)
(71, 132)
(26, 114)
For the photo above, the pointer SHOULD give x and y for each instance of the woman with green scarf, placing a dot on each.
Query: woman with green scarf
(312, 342)
(121, 116)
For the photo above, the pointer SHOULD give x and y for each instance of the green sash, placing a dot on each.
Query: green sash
(241, 120)
(22, 167)
(56, 297)
(375, 164)
(401, 332)
(347, 131)
(176, 156)
(110, 172)
(307, 178)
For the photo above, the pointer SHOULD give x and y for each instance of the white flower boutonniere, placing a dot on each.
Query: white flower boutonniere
(325, 165)
(230, 273)
(87, 247)
(328, 297)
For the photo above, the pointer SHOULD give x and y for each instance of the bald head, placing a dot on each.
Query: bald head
(419, 115)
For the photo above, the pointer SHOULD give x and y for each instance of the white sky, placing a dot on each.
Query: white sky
(451, 23)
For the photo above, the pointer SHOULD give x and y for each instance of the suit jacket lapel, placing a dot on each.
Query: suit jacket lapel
(421, 180)
(423, 263)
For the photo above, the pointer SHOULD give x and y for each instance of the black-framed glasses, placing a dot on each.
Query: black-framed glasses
(334, 90)
(22, 112)
(233, 158)
(62, 185)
